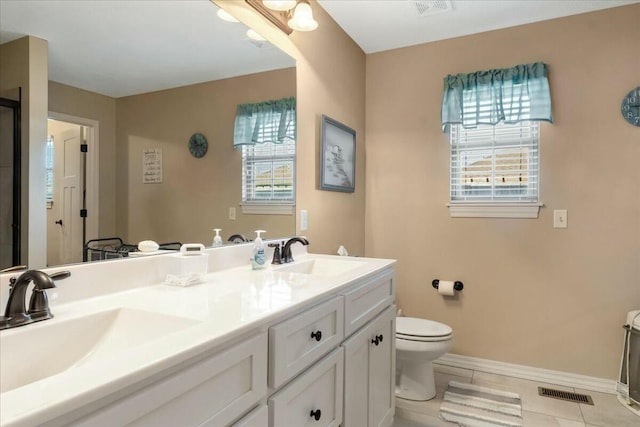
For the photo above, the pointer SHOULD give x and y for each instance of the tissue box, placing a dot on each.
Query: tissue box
(186, 269)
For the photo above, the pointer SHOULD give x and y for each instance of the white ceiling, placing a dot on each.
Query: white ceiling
(377, 25)
(120, 48)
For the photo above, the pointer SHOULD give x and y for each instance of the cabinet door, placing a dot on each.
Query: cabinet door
(356, 379)
(382, 369)
(369, 373)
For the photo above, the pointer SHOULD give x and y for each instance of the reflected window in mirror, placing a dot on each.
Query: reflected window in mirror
(48, 162)
(266, 134)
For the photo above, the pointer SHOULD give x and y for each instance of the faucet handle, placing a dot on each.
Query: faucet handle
(276, 253)
(60, 275)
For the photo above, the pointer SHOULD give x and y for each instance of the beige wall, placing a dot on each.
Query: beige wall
(90, 105)
(196, 194)
(330, 78)
(24, 63)
(534, 295)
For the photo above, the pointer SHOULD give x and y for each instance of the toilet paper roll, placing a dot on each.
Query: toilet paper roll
(445, 287)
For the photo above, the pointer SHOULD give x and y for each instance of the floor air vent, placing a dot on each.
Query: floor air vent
(565, 395)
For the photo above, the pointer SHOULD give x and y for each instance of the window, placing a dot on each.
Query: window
(268, 172)
(495, 163)
(267, 134)
(48, 155)
(493, 118)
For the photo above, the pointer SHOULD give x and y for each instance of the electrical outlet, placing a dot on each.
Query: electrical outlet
(232, 213)
(560, 218)
(304, 224)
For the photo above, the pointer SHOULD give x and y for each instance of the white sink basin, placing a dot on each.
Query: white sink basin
(322, 267)
(34, 352)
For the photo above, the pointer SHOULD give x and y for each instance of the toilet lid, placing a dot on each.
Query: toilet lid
(412, 327)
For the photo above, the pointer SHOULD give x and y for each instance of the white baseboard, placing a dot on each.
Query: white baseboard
(529, 373)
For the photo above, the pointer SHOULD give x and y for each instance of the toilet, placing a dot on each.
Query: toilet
(418, 343)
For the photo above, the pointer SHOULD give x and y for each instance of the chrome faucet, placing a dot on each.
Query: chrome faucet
(286, 249)
(16, 314)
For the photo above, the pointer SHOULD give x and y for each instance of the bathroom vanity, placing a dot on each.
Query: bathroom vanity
(306, 343)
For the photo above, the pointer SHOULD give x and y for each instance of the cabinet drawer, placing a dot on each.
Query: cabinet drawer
(312, 399)
(259, 417)
(365, 302)
(301, 340)
(211, 392)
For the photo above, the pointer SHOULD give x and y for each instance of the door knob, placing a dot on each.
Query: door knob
(59, 222)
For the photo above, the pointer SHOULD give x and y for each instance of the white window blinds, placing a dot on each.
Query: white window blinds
(495, 163)
(268, 172)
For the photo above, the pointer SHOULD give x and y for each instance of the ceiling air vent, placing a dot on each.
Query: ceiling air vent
(432, 7)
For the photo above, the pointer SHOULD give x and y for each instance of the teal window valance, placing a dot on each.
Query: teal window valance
(270, 121)
(508, 95)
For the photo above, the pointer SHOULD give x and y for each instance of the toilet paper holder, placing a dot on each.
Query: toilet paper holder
(457, 285)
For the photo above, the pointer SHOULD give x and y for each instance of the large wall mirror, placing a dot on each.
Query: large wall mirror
(138, 80)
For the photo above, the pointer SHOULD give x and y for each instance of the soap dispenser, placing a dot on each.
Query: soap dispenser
(217, 240)
(258, 257)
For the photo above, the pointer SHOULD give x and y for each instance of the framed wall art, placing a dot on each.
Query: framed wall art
(337, 156)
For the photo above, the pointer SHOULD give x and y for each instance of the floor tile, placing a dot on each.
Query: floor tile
(442, 380)
(405, 418)
(528, 391)
(534, 419)
(607, 411)
(427, 407)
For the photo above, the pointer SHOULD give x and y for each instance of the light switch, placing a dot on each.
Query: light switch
(232, 213)
(560, 218)
(303, 220)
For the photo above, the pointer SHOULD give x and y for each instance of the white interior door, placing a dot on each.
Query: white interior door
(71, 192)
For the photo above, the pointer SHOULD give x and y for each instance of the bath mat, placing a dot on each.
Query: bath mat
(470, 405)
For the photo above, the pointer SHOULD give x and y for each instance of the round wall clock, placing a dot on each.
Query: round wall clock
(198, 145)
(631, 107)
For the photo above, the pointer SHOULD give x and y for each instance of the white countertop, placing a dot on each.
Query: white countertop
(229, 304)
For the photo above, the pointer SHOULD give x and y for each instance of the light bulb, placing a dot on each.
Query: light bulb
(302, 19)
(226, 16)
(280, 5)
(255, 36)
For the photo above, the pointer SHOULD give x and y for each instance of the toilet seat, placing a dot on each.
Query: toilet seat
(413, 329)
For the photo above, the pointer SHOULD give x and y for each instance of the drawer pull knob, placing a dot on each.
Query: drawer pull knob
(317, 335)
(377, 340)
(316, 414)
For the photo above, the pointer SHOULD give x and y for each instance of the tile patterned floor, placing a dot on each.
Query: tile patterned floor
(537, 411)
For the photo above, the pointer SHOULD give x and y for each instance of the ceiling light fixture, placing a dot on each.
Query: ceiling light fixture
(280, 5)
(302, 19)
(255, 36)
(288, 15)
(226, 16)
